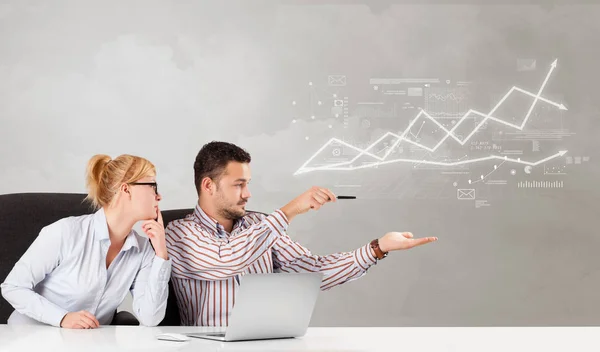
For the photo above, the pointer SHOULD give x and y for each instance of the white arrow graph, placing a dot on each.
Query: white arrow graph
(449, 134)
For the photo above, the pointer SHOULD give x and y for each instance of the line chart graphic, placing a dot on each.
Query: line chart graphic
(448, 133)
(449, 96)
(446, 101)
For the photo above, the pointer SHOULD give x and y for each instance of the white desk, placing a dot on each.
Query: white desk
(133, 338)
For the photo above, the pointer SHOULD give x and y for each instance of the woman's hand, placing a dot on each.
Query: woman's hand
(155, 230)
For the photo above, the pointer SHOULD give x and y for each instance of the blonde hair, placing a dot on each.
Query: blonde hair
(105, 176)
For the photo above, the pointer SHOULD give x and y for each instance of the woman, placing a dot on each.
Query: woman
(79, 269)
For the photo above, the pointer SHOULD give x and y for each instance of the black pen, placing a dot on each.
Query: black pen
(346, 197)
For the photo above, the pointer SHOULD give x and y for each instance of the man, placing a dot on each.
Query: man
(212, 248)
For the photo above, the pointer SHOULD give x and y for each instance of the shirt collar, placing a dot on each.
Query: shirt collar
(101, 231)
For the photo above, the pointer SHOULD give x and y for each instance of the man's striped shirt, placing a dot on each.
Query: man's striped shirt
(208, 264)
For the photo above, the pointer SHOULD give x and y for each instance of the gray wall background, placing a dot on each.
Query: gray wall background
(159, 79)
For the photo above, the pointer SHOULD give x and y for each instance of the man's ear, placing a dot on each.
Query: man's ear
(207, 185)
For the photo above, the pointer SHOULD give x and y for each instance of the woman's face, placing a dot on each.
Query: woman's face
(145, 198)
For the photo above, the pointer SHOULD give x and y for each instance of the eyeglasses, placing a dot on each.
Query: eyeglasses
(153, 184)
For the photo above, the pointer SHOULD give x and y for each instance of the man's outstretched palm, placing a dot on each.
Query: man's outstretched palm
(393, 241)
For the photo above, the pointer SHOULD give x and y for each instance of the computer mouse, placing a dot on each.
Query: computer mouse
(171, 336)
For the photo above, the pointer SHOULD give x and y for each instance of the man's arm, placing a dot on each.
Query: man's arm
(338, 268)
(198, 256)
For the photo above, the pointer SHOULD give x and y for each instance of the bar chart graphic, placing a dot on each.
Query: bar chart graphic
(540, 184)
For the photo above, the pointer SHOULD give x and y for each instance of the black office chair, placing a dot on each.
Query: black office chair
(22, 216)
(172, 317)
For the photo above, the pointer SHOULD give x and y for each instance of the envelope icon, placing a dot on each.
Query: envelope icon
(336, 80)
(465, 193)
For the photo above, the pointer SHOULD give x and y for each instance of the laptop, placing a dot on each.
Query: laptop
(270, 306)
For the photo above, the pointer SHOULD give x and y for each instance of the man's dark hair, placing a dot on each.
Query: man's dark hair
(213, 158)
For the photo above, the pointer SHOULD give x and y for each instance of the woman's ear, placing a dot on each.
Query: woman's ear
(125, 189)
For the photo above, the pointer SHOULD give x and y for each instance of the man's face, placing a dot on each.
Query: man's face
(232, 191)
